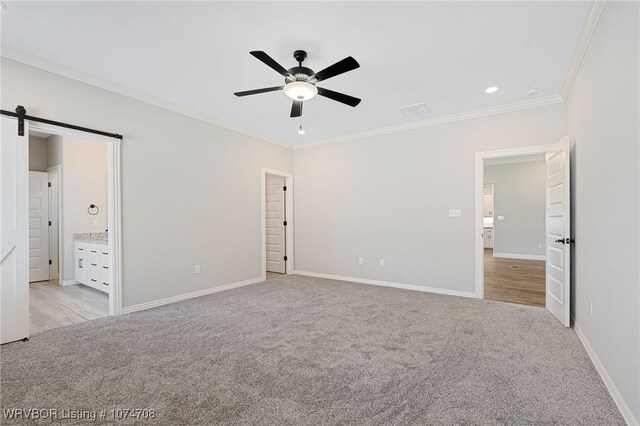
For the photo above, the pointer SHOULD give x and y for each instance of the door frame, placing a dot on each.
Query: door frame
(288, 181)
(57, 169)
(114, 204)
(479, 192)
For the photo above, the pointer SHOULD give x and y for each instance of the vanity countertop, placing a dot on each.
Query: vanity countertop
(92, 237)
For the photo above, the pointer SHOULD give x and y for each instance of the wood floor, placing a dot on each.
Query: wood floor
(52, 305)
(514, 280)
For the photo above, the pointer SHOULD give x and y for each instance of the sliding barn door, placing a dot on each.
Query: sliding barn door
(14, 238)
(558, 239)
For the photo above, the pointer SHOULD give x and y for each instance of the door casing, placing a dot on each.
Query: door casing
(290, 253)
(479, 193)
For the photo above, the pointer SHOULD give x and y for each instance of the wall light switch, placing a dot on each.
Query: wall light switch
(381, 262)
(455, 213)
(96, 222)
(500, 217)
(360, 261)
(197, 269)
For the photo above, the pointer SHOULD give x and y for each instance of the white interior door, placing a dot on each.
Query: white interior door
(274, 226)
(14, 235)
(38, 226)
(558, 240)
(54, 229)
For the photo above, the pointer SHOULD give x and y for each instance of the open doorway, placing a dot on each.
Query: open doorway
(514, 229)
(277, 229)
(68, 217)
(557, 223)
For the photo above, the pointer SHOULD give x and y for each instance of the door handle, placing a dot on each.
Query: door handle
(565, 241)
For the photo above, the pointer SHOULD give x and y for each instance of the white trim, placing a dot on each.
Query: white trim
(65, 283)
(64, 71)
(479, 186)
(520, 256)
(290, 252)
(590, 24)
(437, 121)
(625, 411)
(114, 203)
(413, 287)
(18, 56)
(173, 299)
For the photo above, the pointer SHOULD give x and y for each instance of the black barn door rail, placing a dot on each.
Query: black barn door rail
(21, 115)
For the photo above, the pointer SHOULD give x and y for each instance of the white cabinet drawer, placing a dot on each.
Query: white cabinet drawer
(92, 265)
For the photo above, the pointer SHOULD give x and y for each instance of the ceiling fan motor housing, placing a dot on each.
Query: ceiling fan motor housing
(300, 74)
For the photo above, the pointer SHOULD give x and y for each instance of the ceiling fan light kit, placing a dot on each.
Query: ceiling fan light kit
(300, 82)
(300, 90)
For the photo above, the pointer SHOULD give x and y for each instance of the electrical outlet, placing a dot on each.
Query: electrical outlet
(96, 222)
(539, 245)
(197, 269)
(360, 261)
(590, 307)
(381, 262)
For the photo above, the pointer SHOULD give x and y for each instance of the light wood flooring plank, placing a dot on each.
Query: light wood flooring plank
(514, 280)
(52, 305)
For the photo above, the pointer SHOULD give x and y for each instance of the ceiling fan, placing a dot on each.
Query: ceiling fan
(300, 82)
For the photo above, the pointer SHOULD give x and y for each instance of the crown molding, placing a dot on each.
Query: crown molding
(55, 68)
(595, 11)
(438, 121)
(113, 87)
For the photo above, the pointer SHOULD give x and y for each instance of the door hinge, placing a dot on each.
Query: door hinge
(284, 223)
(49, 184)
(285, 258)
(49, 223)
(50, 262)
(284, 188)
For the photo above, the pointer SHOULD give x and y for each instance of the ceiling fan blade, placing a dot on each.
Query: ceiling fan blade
(269, 61)
(340, 97)
(296, 109)
(256, 91)
(340, 67)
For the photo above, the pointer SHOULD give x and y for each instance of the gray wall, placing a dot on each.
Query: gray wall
(84, 182)
(602, 120)
(388, 197)
(37, 154)
(190, 190)
(519, 197)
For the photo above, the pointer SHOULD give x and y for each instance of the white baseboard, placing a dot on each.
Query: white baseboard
(173, 299)
(520, 256)
(68, 282)
(389, 284)
(613, 390)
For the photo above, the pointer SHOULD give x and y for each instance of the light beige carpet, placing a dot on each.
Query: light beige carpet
(298, 350)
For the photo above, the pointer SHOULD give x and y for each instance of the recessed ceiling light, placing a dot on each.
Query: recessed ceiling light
(532, 91)
(3, 5)
(301, 131)
(492, 89)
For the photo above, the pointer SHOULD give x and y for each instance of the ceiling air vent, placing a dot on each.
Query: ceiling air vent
(416, 110)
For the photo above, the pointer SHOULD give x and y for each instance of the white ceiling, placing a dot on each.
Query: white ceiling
(196, 54)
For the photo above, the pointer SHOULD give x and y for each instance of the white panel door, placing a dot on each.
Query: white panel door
(274, 218)
(14, 232)
(557, 230)
(38, 226)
